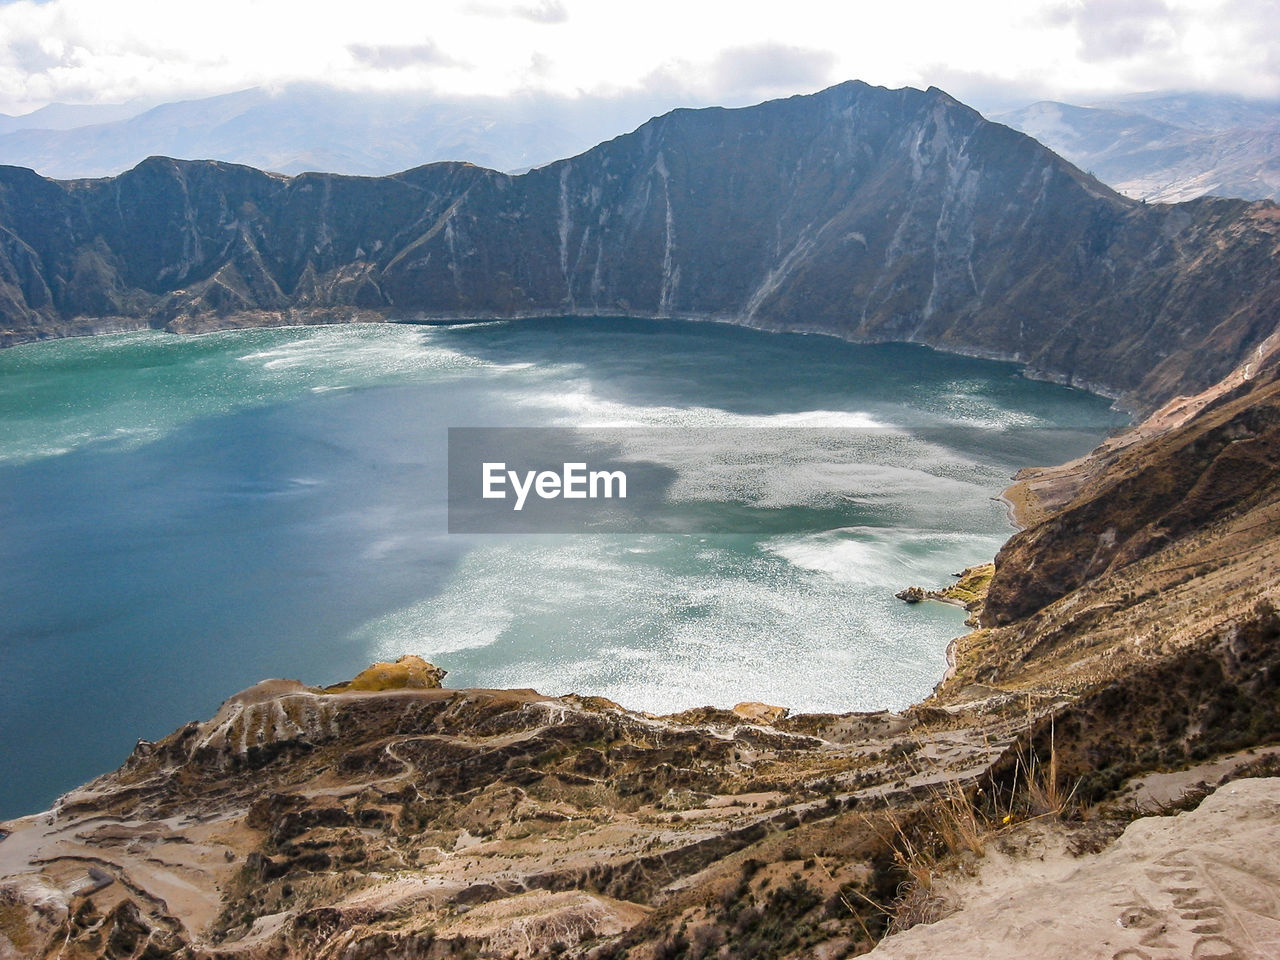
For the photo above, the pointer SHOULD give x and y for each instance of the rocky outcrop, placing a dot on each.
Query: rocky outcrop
(407, 673)
(969, 591)
(756, 712)
(867, 213)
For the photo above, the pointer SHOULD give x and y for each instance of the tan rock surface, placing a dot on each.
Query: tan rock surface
(756, 712)
(1203, 884)
(407, 673)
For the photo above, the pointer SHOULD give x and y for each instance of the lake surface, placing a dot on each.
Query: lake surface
(181, 517)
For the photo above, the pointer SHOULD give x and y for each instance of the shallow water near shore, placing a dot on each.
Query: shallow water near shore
(183, 516)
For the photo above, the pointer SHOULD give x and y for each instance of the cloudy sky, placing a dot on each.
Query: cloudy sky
(992, 53)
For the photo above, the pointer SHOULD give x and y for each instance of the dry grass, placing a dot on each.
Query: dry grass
(953, 827)
(1037, 789)
(14, 927)
(1044, 792)
(916, 905)
(955, 821)
(972, 585)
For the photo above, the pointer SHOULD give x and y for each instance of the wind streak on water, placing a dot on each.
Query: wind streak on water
(181, 517)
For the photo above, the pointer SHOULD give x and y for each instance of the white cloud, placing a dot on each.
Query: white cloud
(773, 69)
(716, 50)
(545, 11)
(1120, 29)
(748, 74)
(1132, 45)
(398, 56)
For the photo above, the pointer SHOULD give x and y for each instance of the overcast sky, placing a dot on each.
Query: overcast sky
(991, 53)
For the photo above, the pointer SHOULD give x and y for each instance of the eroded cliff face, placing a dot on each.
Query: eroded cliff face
(863, 212)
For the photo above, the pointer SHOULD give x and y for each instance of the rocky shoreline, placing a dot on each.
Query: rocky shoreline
(969, 592)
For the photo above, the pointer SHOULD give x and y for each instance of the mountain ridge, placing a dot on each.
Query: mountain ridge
(866, 213)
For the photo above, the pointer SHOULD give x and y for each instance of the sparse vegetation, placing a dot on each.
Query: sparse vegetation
(15, 927)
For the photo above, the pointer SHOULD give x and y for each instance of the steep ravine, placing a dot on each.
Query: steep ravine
(868, 213)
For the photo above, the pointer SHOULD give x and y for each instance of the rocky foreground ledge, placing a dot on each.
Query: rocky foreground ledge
(389, 817)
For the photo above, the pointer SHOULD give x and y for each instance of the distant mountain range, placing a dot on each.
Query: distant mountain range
(303, 127)
(1166, 146)
(873, 214)
(67, 116)
(1160, 146)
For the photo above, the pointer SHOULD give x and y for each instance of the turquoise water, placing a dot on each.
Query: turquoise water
(183, 516)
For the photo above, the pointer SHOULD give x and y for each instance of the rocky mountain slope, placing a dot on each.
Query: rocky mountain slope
(862, 212)
(1199, 110)
(1161, 149)
(1144, 588)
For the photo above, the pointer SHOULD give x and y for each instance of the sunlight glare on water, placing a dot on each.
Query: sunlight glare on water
(184, 516)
